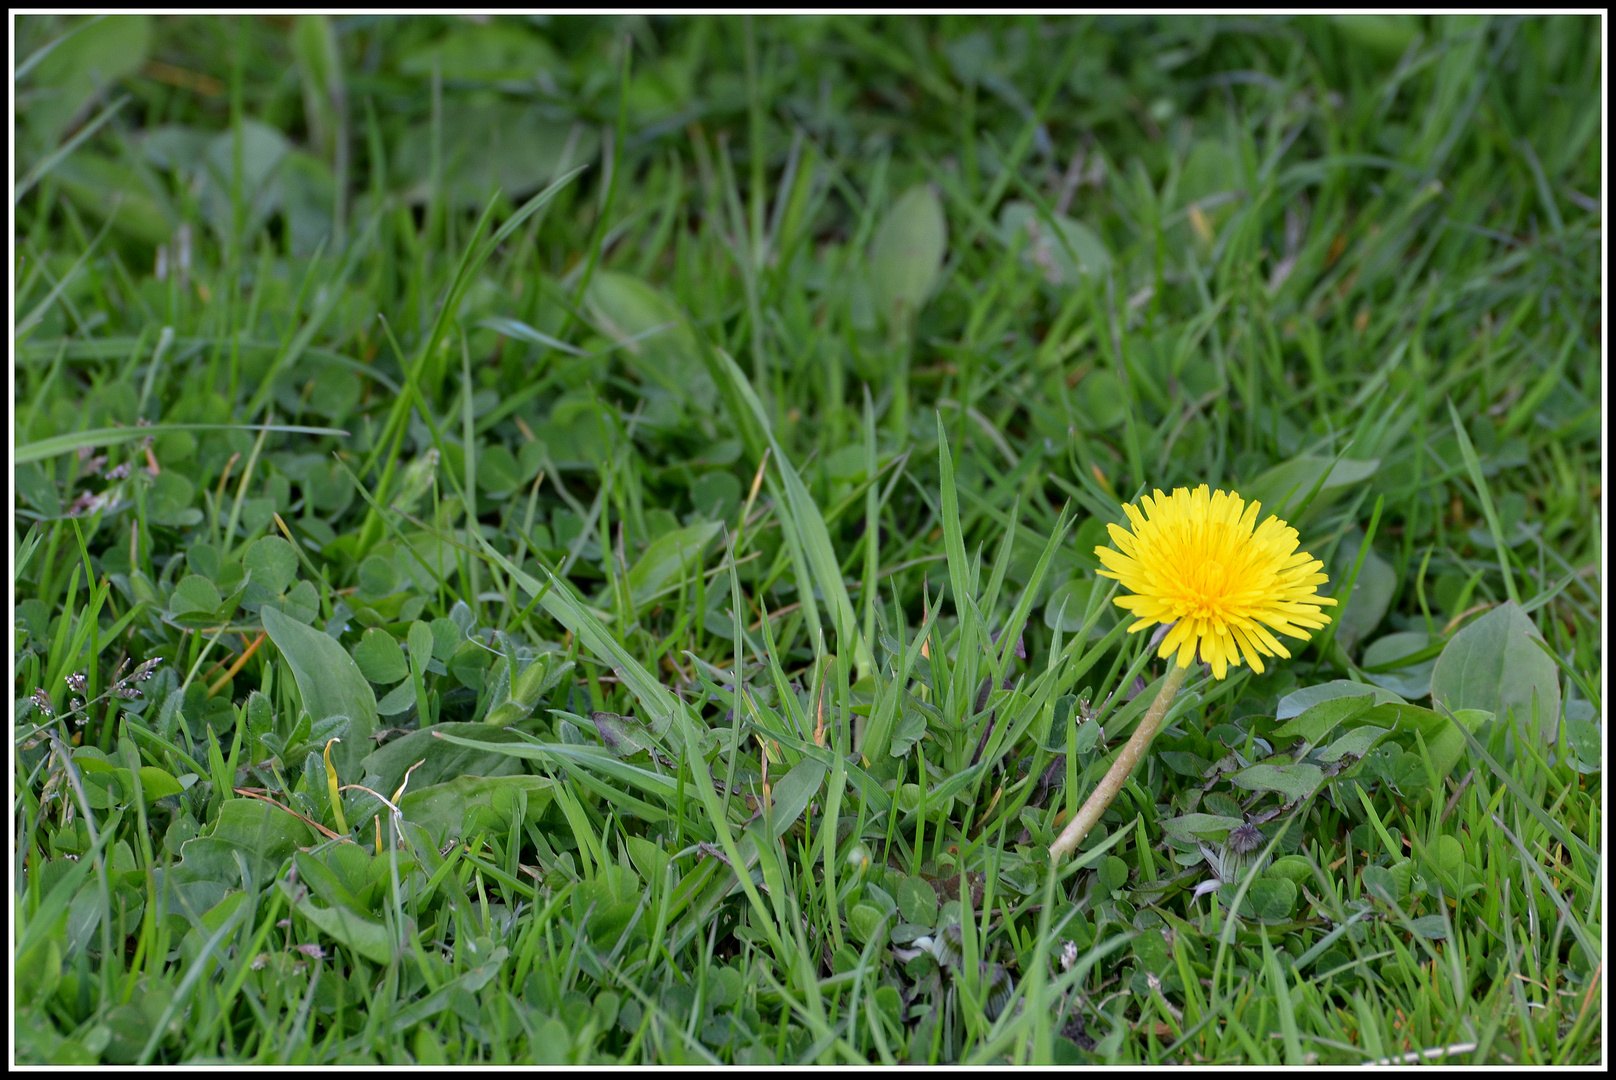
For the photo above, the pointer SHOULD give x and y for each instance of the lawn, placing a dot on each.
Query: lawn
(572, 539)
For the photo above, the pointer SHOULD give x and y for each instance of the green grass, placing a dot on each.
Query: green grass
(696, 501)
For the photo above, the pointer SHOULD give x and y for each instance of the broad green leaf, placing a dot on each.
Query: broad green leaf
(623, 735)
(1586, 742)
(262, 151)
(651, 859)
(1407, 718)
(301, 603)
(793, 792)
(217, 915)
(203, 558)
(330, 684)
(1290, 867)
(384, 768)
(1211, 167)
(1062, 259)
(378, 577)
(1299, 701)
(424, 638)
(195, 595)
(347, 928)
(911, 726)
(1184, 763)
(397, 700)
(1112, 874)
(1430, 927)
(39, 490)
(1319, 720)
(157, 783)
(1412, 680)
(1495, 666)
(667, 557)
(1286, 485)
(91, 759)
(917, 901)
(490, 144)
(441, 809)
(379, 657)
(907, 254)
(326, 884)
(867, 923)
(1069, 603)
(716, 494)
(1393, 647)
(169, 501)
(487, 52)
(1102, 400)
(1269, 899)
(1295, 782)
(497, 471)
(655, 334)
(97, 56)
(261, 835)
(1448, 855)
(1198, 826)
(329, 488)
(84, 915)
(1371, 595)
(1355, 742)
(1389, 35)
(1442, 736)
(1384, 883)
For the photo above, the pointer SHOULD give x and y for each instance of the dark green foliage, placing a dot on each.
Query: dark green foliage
(610, 577)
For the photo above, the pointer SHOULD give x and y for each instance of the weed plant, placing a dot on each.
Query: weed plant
(571, 539)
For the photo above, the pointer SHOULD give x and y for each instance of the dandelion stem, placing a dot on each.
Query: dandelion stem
(1080, 826)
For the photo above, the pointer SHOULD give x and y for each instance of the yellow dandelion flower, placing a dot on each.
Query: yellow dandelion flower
(1199, 561)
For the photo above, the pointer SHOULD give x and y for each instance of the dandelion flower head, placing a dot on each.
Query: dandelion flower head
(1199, 560)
